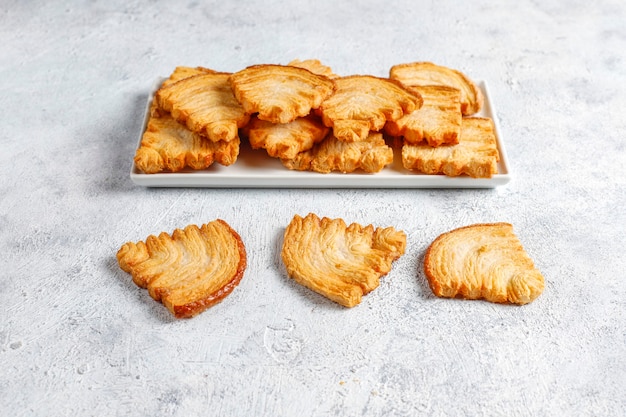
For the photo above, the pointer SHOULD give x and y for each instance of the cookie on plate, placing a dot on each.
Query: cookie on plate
(182, 72)
(370, 155)
(476, 154)
(168, 146)
(364, 103)
(437, 122)
(280, 93)
(427, 73)
(205, 104)
(285, 140)
(315, 66)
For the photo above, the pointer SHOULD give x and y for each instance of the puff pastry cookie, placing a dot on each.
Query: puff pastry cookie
(178, 74)
(280, 93)
(364, 103)
(285, 140)
(437, 122)
(370, 155)
(482, 261)
(189, 270)
(315, 66)
(337, 261)
(206, 104)
(167, 145)
(427, 73)
(476, 154)
(182, 72)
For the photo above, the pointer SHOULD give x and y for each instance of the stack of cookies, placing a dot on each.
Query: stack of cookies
(311, 119)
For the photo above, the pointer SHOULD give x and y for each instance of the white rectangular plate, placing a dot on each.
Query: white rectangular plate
(255, 169)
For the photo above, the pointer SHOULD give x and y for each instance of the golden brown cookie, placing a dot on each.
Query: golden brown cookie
(182, 72)
(370, 155)
(315, 66)
(437, 122)
(189, 270)
(178, 74)
(482, 261)
(205, 104)
(285, 140)
(337, 261)
(280, 93)
(427, 73)
(476, 154)
(363, 103)
(169, 146)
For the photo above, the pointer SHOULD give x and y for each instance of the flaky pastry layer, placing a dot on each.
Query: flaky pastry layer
(206, 104)
(182, 72)
(370, 155)
(482, 261)
(280, 93)
(338, 261)
(476, 154)
(437, 122)
(189, 270)
(285, 140)
(315, 66)
(167, 145)
(364, 103)
(427, 73)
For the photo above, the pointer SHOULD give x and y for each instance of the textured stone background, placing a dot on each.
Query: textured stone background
(77, 337)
